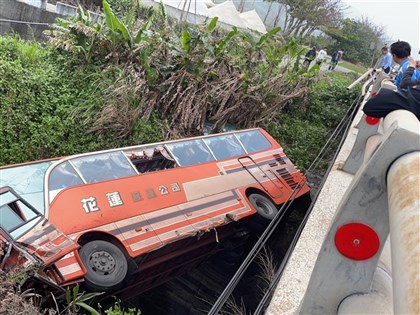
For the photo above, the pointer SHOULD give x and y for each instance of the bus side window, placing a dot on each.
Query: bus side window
(151, 159)
(103, 166)
(157, 163)
(190, 152)
(253, 140)
(225, 146)
(63, 176)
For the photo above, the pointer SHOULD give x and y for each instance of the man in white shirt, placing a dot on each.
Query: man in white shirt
(321, 56)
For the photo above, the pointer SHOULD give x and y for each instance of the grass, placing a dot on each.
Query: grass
(352, 67)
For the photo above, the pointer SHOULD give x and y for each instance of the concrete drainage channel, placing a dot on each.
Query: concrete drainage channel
(196, 290)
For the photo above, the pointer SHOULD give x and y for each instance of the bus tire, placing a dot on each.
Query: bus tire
(106, 265)
(265, 208)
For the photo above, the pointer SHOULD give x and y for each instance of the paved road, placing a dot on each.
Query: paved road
(325, 65)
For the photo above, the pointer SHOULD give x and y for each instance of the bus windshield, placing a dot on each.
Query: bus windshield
(27, 181)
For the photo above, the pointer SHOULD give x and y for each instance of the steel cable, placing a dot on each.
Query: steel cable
(345, 122)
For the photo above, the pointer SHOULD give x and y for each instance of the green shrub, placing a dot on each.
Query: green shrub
(306, 124)
(40, 90)
(154, 79)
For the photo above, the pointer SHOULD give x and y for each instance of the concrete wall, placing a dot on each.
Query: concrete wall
(15, 10)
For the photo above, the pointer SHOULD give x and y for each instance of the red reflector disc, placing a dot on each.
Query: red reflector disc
(374, 94)
(357, 241)
(372, 120)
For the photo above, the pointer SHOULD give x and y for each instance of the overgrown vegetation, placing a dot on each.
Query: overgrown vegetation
(189, 75)
(13, 300)
(307, 123)
(143, 79)
(16, 301)
(146, 78)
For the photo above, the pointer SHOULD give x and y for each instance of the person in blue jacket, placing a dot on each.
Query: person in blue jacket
(400, 52)
(408, 97)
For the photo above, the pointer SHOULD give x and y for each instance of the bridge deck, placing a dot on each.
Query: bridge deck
(295, 279)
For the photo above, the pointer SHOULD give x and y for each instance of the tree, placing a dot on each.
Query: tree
(305, 16)
(357, 38)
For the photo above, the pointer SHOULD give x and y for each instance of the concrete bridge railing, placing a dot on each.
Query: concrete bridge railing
(384, 196)
(360, 250)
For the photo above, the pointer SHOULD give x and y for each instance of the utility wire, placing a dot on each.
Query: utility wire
(346, 122)
(277, 219)
(24, 22)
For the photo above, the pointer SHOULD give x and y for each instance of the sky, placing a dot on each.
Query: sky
(400, 18)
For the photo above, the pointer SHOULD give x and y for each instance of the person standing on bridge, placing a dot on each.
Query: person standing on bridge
(387, 61)
(400, 52)
(407, 98)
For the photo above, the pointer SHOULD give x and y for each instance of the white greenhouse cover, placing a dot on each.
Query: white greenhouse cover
(253, 21)
(227, 13)
(209, 3)
(194, 6)
(198, 10)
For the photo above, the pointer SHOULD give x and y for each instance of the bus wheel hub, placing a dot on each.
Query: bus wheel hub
(103, 261)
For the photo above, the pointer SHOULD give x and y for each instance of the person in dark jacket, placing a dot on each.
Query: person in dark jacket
(310, 55)
(407, 97)
(335, 58)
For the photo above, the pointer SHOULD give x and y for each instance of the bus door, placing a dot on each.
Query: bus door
(264, 178)
(29, 230)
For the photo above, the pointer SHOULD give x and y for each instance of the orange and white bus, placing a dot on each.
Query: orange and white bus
(120, 205)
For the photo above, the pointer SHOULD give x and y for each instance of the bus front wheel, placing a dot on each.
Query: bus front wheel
(106, 265)
(264, 206)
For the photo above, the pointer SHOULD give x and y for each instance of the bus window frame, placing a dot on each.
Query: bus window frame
(253, 130)
(74, 169)
(240, 142)
(38, 215)
(194, 142)
(100, 155)
(225, 135)
(52, 194)
(164, 144)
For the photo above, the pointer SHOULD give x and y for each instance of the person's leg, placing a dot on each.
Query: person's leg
(385, 102)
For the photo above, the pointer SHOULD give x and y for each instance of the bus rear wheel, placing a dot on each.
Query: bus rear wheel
(106, 265)
(264, 206)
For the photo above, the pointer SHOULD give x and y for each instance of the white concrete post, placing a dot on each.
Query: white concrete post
(361, 78)
(403, 183)
(383, 198)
